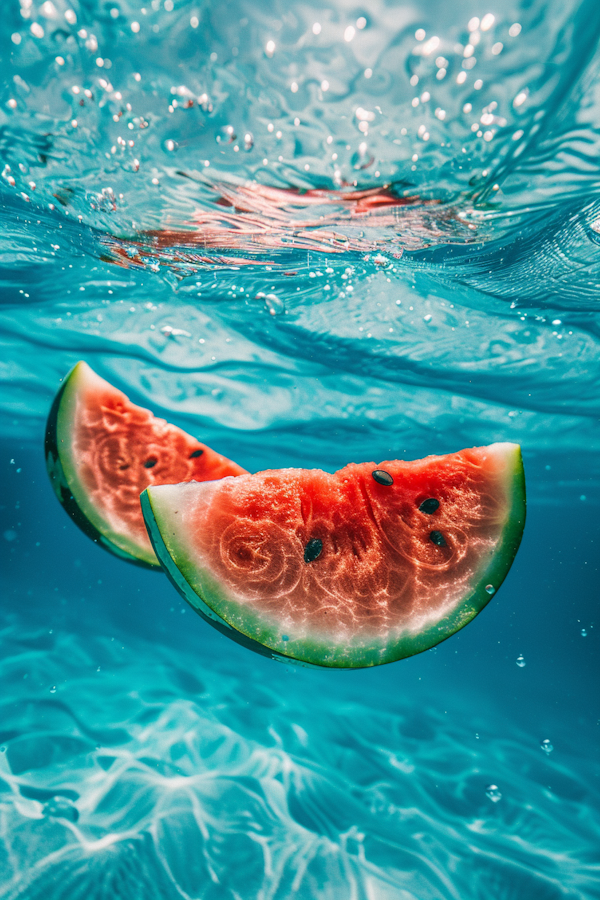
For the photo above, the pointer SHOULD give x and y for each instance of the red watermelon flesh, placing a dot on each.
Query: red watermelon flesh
(102, 450)
(365, 566)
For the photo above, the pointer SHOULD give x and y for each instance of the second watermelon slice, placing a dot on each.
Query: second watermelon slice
(102, 450)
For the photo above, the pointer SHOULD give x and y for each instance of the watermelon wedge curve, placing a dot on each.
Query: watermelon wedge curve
(102, 450)
(366, 566)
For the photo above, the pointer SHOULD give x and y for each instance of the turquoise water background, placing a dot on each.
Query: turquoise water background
(143, 755)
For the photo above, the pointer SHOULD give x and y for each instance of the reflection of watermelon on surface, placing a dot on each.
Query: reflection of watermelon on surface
(366, 566)
(102, 451)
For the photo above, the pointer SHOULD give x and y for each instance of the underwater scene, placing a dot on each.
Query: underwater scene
(309, 236)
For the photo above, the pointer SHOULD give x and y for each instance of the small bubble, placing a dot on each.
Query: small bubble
(546, 746)
(284, 637)
(583, 632)
(493, 792)
(490, 589)
(521, 661)
(274, 304)
(53, 689)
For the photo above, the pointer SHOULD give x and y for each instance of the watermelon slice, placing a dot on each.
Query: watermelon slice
(366, 566)
(102, 451)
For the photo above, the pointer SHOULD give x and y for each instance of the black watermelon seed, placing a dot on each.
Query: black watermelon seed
(195, 454)
(382, 477)
(429, 506)
(150, 462)
(313, 550)
(437, 538)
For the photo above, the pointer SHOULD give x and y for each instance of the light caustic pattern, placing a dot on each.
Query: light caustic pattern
(204, 782)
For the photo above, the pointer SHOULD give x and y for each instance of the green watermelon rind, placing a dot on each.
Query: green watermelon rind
(182, 583)
(63, 476)
(204, 593)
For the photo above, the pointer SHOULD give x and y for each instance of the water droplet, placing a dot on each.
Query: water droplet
(493, 792)
(105, 200)
(521, 661)
(226, 135)
(583, 632)
(490, 589)
(546, 746)
(53, 689)
(274, 304)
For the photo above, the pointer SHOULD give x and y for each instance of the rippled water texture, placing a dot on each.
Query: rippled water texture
(307, 235)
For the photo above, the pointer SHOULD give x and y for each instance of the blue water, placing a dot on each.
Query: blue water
(144, 755)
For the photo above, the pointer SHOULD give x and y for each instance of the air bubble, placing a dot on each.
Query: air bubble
(583, 632)
(521, 661)
(490, 589)
(274, 304)
(546, 746)
(493, 792)
(53, 689)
